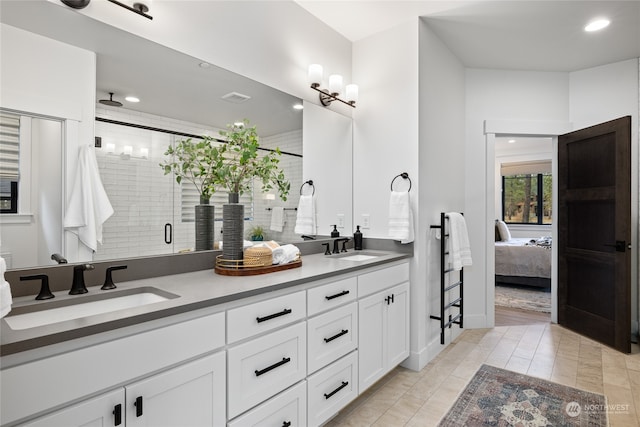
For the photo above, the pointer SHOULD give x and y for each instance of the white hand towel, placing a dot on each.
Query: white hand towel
(277, 218)
(285, 254)
(5, 291)
(306, 218)
(89, 206)
(459, 250)
(400, 217)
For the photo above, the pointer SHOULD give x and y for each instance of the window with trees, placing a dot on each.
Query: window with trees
(526, 193)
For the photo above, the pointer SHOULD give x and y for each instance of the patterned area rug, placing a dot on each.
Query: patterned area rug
(497, 397)
(524, 298)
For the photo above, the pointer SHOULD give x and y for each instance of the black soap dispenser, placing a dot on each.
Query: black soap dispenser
(357, 239)
(335, 232)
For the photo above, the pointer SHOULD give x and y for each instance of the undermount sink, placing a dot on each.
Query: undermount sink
(52, 311)
(358, 257)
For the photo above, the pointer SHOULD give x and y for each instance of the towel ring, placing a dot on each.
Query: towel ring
(403, 175)
(310, 182)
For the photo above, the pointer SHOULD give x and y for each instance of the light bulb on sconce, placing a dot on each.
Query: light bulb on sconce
(315, 75)
(327, 96)
(144, 153)
(335, 84)
(110, 148)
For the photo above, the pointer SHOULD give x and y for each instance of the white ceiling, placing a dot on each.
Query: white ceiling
(517, 35)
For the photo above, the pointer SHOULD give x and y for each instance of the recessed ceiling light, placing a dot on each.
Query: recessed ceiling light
(511, 141)
(298, 106)
(239, 124)
(204, 65)
(132, 99)
(597, 24)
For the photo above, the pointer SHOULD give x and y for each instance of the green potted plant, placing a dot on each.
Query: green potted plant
(256, 233)
(243, 162)
(197, 162)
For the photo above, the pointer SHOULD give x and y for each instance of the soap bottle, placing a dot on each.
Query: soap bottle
(335, 232)
(357, 239)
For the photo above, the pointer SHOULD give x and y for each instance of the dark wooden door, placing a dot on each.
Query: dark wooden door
(594, 232)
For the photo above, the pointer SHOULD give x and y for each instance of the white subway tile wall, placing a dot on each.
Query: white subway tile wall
(145, 200)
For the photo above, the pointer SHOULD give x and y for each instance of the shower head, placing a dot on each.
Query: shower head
(110, 101)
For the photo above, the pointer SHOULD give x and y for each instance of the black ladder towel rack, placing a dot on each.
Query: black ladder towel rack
(446, 321)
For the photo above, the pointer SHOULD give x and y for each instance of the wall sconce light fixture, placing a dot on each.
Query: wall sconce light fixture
(327, 96)
(141, 7)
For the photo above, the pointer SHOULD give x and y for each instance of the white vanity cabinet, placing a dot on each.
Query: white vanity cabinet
(172, 360)
(192, 394)
(104, 410)
(383, 339)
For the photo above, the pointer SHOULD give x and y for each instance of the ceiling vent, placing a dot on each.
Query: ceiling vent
(236, 98)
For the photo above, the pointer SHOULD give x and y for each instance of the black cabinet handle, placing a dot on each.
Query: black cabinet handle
(138, 406)
(338, 335)
(168, 233)
(286, 424)
(273, 316)
(340, 387)
(330, 297)
(117, 415)
(389, 299)
(274, 366)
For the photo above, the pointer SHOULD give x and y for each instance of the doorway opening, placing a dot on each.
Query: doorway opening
(523, 235)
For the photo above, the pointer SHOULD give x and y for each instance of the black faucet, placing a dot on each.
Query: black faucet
(108, 280)
(78, 287)
(326, 249)
(344, 241)
(45, 292)
(59, 258)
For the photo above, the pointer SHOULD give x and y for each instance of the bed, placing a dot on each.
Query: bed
(524, 261)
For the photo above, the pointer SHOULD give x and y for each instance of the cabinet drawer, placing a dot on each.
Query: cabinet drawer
(375, 281)
(264, 366)
(332, 295)
(264, 316)
(332, 335)
(287, 408)
(331, 389)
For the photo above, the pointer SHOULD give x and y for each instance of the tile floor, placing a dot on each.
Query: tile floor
(408, 398)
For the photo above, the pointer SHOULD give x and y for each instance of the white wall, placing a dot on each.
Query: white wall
(386, 122)
(441, 183)
(498, 95)
(605, 93)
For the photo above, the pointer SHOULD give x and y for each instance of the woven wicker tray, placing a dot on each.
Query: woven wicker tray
(235, 268)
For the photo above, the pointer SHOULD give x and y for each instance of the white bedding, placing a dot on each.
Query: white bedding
(517, 258)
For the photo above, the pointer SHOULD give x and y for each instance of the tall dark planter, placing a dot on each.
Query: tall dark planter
(204, 225)
(232, 228)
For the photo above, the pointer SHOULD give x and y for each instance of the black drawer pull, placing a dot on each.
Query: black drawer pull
(138, 406)
(286, 424)
(343, 385)
(274, 366)
(117, 415)
(330, 297)
(273, 316)
(338, 335)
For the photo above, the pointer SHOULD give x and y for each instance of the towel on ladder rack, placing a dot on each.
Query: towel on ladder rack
(459, 249)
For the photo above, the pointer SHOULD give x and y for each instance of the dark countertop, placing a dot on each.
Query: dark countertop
(195, 290)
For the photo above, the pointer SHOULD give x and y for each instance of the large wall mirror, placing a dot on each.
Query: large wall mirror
(180, 96)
